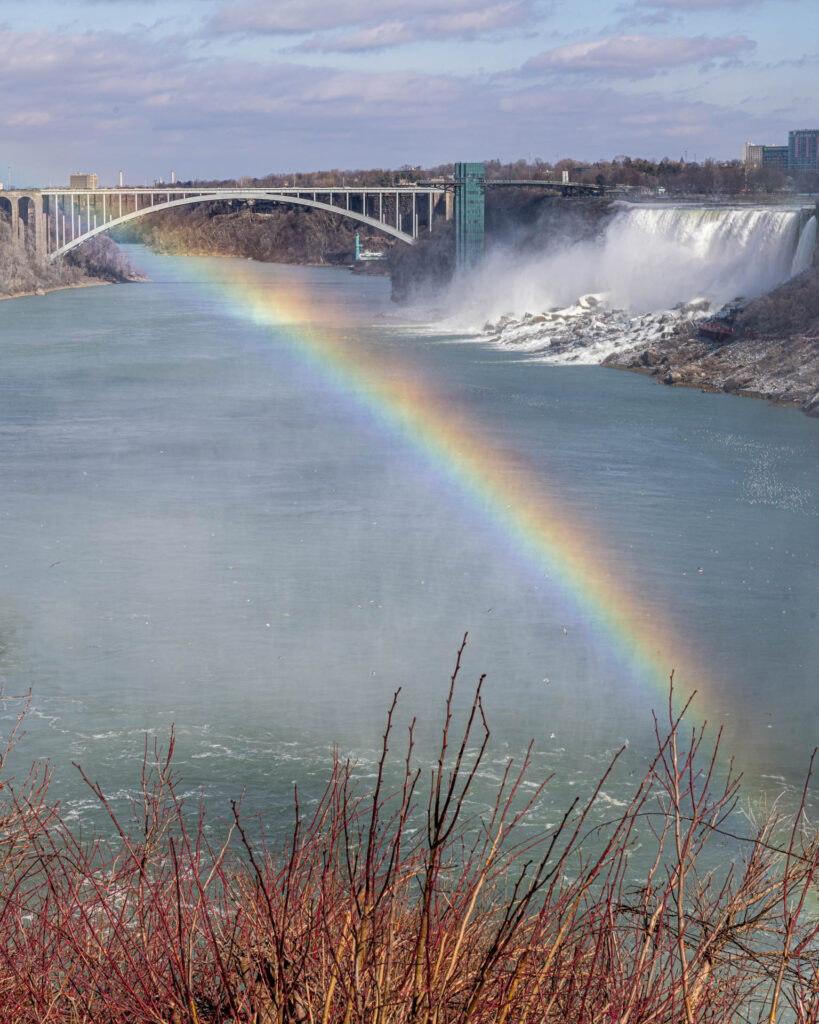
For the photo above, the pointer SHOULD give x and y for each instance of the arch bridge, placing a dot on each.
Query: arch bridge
(53, 221)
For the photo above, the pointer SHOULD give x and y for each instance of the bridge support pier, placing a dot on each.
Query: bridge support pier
(15, 221)
(39, 227)
(27, 222)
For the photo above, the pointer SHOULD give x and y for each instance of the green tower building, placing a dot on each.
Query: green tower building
(469, 208)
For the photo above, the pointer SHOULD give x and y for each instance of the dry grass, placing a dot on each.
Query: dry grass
(360, 917)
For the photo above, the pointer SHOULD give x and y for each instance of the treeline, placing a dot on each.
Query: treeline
(677, 177)
(267, 232)
(373, 177)
(680, 178)
(22, 273)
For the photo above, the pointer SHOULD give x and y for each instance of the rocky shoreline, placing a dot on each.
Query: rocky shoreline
(784, 371)
(779, 363)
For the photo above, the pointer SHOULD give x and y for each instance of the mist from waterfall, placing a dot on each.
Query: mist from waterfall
(591, 296)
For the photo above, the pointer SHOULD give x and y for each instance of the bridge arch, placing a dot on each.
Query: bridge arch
(28, 220)
(222, 196)
(25, 214)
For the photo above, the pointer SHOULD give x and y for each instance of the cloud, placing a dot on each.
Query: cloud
(257, 16)
(640, 13)
(388, 33)
(102, 101)
(374, 26)
(637, 56)
(464, 24)
(696, 5)
(108, 91)
(107, 63)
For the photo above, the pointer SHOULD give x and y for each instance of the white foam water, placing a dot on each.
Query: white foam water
(803, 257)
(650, 268)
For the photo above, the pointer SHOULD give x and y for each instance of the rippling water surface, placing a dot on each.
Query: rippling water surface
(199, 527)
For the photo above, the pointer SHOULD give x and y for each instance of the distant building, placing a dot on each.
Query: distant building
(83, 181)
(752, 154)
(800, 154)
(803, 149)
(775, 156)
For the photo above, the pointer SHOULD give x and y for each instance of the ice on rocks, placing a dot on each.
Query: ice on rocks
(587, 332)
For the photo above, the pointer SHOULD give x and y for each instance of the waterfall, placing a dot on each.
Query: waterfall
(649, 269)
(654, 258)
(803, 257)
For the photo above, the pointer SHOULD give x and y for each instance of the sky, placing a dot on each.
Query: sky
(227, 88)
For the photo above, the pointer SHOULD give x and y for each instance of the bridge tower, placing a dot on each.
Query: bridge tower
(469, 214)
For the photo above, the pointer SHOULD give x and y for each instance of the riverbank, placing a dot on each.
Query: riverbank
(57, 288)
(784, 371)
(773, 353)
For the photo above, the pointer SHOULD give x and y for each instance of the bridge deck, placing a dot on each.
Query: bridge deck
(66, 217)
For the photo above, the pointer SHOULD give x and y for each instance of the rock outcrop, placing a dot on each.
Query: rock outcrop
(772, 354)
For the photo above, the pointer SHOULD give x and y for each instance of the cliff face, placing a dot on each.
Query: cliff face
(793, 308)
(425, 267)
(773, 352)
(272, 234)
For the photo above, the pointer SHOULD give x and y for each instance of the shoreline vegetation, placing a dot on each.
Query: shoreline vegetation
(99, 261)
(359, 916)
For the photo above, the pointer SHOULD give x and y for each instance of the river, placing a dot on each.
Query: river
(233, 501)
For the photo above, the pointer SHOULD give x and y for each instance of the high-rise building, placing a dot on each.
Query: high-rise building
(803, 149)
(800, 154)
(83, 181)
(752, 154)
(776, 155)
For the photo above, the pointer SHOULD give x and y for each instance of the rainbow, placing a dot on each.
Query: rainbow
(522, 507)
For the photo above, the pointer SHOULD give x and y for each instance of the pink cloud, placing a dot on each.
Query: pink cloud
(294, 16)
(637, 55)
(451, 24)
(696, 5)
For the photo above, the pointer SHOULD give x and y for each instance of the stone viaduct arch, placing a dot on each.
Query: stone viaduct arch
(6, 208)
(24, 211)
